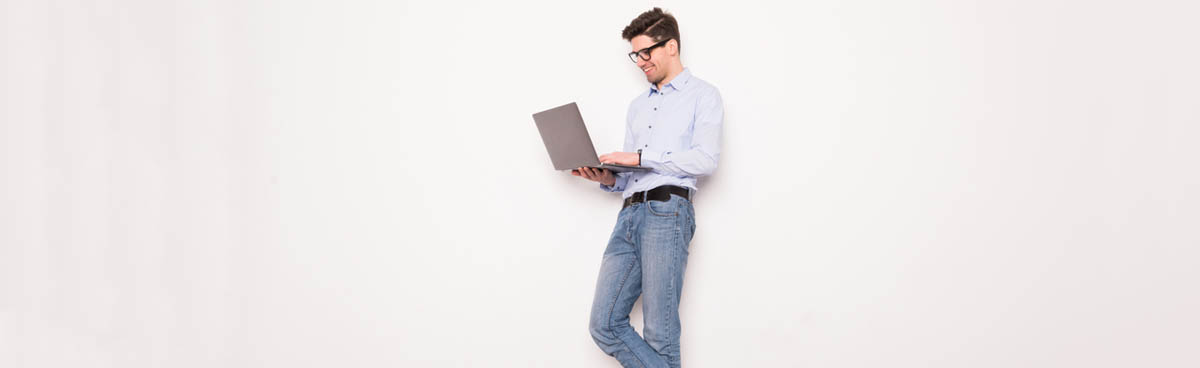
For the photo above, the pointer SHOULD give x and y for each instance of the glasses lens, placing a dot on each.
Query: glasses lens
(645, 53)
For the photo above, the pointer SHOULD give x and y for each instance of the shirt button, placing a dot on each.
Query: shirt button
(651, 127)
(646, 145)
(655, 109)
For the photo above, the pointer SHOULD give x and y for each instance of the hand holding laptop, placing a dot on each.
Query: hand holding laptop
(605, 176)
(602, 176)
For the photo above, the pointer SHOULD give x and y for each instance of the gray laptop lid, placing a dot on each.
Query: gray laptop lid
(567, 140)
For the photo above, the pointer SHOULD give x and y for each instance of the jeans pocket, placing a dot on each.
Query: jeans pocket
(661, 208)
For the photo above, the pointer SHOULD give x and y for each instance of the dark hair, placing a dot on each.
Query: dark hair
(656, 24)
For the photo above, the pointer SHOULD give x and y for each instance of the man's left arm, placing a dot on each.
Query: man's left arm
(701, 158)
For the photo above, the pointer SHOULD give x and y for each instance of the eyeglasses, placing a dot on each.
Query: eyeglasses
(645, 53)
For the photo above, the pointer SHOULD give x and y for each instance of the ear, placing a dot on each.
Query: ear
(673, 47)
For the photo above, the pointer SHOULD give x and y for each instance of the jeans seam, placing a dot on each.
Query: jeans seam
(631, 225)
(677, 259)
(674, 265)
(609, 319)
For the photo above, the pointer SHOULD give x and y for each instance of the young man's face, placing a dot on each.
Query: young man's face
(653, 68)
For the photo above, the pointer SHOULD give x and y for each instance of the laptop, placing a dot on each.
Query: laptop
(568, 142)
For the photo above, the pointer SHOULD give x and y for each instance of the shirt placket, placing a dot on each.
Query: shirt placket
(656, 100)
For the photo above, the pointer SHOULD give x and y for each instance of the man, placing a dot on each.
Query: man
(674, 128)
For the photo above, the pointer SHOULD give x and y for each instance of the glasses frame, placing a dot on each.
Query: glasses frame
(633, 56)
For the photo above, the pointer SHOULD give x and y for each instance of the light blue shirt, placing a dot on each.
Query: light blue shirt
(678, 129)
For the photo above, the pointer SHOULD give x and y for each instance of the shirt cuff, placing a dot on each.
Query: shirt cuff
(618, 186)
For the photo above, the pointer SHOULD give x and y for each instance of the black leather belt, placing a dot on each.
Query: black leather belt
(661, 193)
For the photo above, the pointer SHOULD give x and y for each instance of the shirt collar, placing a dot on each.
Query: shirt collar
(679, 82)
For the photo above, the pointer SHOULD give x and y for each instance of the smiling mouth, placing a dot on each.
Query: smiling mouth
(647, 70)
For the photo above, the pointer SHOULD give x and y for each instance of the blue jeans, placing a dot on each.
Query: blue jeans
(646, 256)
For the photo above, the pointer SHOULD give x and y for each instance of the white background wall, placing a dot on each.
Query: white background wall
(326, 184)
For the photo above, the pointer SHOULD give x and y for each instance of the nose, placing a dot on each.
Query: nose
(642, 63)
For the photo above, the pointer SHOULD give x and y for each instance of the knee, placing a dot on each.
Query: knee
(605, 332)
(600, 331)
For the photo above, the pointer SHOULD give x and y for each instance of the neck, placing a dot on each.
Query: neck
(673, 71)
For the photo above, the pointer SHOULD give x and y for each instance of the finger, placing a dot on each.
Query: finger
(575, 172)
